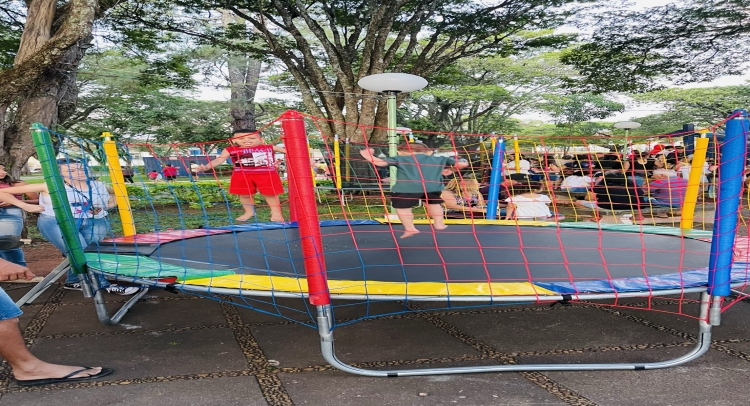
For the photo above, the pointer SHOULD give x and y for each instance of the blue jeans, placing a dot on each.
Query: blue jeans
(89, 231)
(11, 223)
(8, 309)
(577, 190)
(660, 203)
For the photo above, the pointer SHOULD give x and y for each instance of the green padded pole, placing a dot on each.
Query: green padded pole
(56, 186)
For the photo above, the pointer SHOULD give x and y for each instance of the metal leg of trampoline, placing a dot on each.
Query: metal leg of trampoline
(99, 304)
(45, 283)
(709, 308)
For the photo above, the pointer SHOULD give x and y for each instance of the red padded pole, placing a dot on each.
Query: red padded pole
(305, 206)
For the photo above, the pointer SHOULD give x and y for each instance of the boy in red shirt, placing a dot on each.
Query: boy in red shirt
(254, 171)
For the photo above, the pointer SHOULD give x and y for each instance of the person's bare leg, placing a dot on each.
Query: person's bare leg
(275, 205)
(436, 213)
(407, 219)
(247, 204)
(24, 364)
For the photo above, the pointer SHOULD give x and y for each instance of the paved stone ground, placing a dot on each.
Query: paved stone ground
(181, 350)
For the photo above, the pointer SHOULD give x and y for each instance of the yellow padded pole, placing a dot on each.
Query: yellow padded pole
(694, 183)
(337, 161)
(517, 155)
(118, 184)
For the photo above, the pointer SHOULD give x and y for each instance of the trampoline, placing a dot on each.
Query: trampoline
(357, 262)
(366, 259)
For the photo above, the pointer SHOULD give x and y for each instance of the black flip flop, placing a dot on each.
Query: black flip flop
(67, 378)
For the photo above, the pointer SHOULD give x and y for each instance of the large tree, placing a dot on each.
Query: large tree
(327, 46)
(41, 84)
(482, 94)
(645, 49)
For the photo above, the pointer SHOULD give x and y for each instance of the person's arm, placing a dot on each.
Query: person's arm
(217, 161)
(112, 201)
(7, 198)
(368, 155)
(278, 149)
(510, 210)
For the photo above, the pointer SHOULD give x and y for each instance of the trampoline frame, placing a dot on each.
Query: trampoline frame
(302, 183)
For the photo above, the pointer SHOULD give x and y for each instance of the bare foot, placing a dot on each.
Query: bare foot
(440, 227)
(278, 219)
(245, 217)
(409, 233)
(46, 371)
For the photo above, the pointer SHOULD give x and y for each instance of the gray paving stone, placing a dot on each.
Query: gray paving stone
(709, 380)
(338, 388)
(146, 314)
(555, 329)
(239, 391)
(377, 340)
(148, 355)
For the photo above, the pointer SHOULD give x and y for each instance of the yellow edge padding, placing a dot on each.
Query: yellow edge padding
(344, 287)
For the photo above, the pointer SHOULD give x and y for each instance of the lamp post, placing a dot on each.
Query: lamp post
(391, 84)
(627, 126)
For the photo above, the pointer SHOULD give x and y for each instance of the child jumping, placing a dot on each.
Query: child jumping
(254, 171)
(419, 177)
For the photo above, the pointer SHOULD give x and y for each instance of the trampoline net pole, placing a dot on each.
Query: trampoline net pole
(305, 206)
(496, 177)
(56, 186)
(731, 169)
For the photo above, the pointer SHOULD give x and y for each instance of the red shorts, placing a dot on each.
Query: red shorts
(247, 183)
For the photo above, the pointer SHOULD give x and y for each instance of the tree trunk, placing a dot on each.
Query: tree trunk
(244, 75)
(41, 84)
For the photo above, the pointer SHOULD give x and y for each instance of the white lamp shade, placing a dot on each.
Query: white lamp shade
(392, 82)
(628, 125)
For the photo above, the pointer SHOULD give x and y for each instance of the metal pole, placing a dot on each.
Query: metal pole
(392, 135)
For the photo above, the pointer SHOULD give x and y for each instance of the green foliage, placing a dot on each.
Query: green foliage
(481, 94)
(194, 195)
(687, 41)
(569, 110)
(703, 106)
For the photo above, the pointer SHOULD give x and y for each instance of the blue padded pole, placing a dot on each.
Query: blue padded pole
(496, 176)
(731, 168)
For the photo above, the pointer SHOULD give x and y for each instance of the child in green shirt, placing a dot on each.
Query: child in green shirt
(419, 177)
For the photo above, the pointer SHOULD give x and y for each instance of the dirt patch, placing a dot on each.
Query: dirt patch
(42, 257)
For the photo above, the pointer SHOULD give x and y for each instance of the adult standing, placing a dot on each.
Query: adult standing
(89, 201)
(11, 217)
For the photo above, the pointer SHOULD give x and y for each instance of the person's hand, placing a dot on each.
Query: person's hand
(4, 204)
(11, 272)
(34, 208)
(447, 172)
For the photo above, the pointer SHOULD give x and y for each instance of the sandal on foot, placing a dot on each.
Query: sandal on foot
(67, 378)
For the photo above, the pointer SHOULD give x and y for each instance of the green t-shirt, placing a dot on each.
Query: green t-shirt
(419, 173)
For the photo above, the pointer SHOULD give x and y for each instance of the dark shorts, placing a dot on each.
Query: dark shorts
(409, 200)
